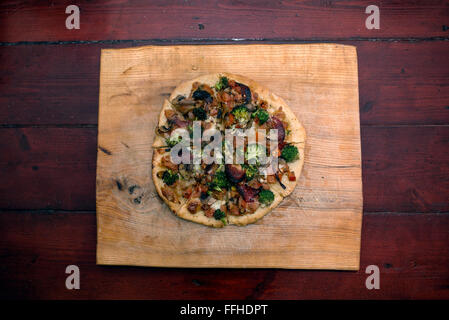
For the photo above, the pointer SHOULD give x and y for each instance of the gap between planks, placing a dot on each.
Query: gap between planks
(222, 40)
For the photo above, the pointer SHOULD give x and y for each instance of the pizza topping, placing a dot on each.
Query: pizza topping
(200, 113)
(266, 197)
(200, 94)
(220, 215)
(244, 91)
(169, 113)
(280, 114)
(253, 206)
(166, 162)
(241, 114)
(185, 170)
(173, 141)
(193, 206)
(219, 182)
(183, 104)
(290, 153)
(255, 184)
(276, 123)
(216, 204)
(279, 178)
(204, 196)
(219, 190)
(234, 172)
(169, 177)
(168, 193)
(255, 152)
(261, 115)
(162, 130)
(271, 179)
(205, 207)
(188, 192)
(251, 171)
(209, 212)
(174, 121)
(221, 84)
(233, 209)
(248, 194)
(229, 120)
(291, 176)
(265, 186)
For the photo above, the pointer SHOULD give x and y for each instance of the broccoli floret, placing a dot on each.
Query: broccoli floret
(220, 215)
(289, 153)
(250, 171)
(254, 153)
(219, 181)
(173, 141)
(169, 177)
(241, 113)
(262, 115)
(266, 197)
(200, 113)
(222, 84)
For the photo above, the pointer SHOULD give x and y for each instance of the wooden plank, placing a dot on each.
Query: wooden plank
(399, 83)
(49, 84)
(406, 169)
(319, 83)
(410, 250)
(403, 83)
(403, 168)
(222, 20)
(48, 168)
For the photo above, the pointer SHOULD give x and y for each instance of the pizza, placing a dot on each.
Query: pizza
(256, 158)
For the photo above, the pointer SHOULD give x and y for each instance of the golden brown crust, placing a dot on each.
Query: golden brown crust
(297, 137)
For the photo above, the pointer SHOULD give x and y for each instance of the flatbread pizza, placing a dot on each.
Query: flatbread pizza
(257, 157)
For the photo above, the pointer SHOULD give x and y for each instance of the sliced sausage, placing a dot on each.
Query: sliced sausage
(276, 123)
(193, 206)
(245, 92)
(234, 172)
(248, 194)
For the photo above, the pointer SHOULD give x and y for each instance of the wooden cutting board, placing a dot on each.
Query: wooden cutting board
(317, 227)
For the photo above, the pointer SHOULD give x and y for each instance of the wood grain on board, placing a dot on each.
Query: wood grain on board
(317, 227)
(262, 19)
(410, 250)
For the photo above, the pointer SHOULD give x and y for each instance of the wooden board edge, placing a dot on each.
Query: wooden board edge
(152, 46)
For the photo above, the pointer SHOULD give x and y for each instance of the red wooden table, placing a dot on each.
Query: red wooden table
(48, 131)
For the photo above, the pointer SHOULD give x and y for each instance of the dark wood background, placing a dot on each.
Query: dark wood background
(48, 143)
